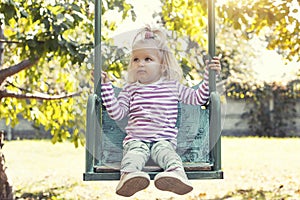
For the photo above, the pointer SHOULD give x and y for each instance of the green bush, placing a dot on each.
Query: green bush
(271, 107)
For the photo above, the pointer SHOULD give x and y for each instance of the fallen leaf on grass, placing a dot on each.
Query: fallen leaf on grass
(202, 195)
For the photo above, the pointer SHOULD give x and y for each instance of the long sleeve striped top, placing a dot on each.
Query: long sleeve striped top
(152, 109)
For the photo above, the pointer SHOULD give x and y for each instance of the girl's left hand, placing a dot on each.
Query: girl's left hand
(214, 64)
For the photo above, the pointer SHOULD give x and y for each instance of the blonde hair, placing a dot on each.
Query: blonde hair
(155, 38)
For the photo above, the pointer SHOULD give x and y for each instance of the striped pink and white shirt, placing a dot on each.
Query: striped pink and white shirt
(153, 108)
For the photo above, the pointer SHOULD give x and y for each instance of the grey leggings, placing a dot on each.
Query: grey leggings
(137, 153)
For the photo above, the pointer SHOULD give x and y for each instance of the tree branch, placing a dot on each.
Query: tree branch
(4, 73)
(39, 96)
(9, 42)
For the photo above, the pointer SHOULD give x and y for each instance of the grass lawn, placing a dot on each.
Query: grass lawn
(255, 168)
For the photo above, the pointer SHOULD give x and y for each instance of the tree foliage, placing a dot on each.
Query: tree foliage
(237, 22)
(48, 58)
(277, 21)
(189, 19)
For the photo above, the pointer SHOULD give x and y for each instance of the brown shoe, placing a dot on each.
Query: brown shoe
(174, 181)
(132, 182)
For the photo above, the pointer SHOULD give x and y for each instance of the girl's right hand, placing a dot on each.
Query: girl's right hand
(104, 77)
(214, 64)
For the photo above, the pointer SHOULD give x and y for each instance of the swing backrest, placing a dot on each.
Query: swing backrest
(199, 153)
(192, 145)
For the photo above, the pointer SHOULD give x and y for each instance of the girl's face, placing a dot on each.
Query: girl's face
(146, 65)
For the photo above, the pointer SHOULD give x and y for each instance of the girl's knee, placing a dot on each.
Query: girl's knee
(163, 144)
(164, 154)
(136, 146)
(163, 148)
(135, 155)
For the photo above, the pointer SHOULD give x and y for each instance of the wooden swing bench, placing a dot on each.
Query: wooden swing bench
(198, 141)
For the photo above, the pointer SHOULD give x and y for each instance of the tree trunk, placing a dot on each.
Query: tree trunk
(6, 192)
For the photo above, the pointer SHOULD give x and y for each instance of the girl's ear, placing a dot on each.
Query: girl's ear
(164, 70)
(164, 66)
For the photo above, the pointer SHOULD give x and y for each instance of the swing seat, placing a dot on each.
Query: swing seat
(198, 141)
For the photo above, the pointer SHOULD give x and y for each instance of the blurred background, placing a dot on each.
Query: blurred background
(46, 64)
(47, 59)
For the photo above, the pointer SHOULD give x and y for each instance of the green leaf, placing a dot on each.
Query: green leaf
(56, 10)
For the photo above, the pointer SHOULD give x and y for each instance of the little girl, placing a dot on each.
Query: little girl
(150, 101)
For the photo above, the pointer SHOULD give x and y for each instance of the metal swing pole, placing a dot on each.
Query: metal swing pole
(215, 108)
(211, 42)
(97, 84)
(93, 115)
(97, 50)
